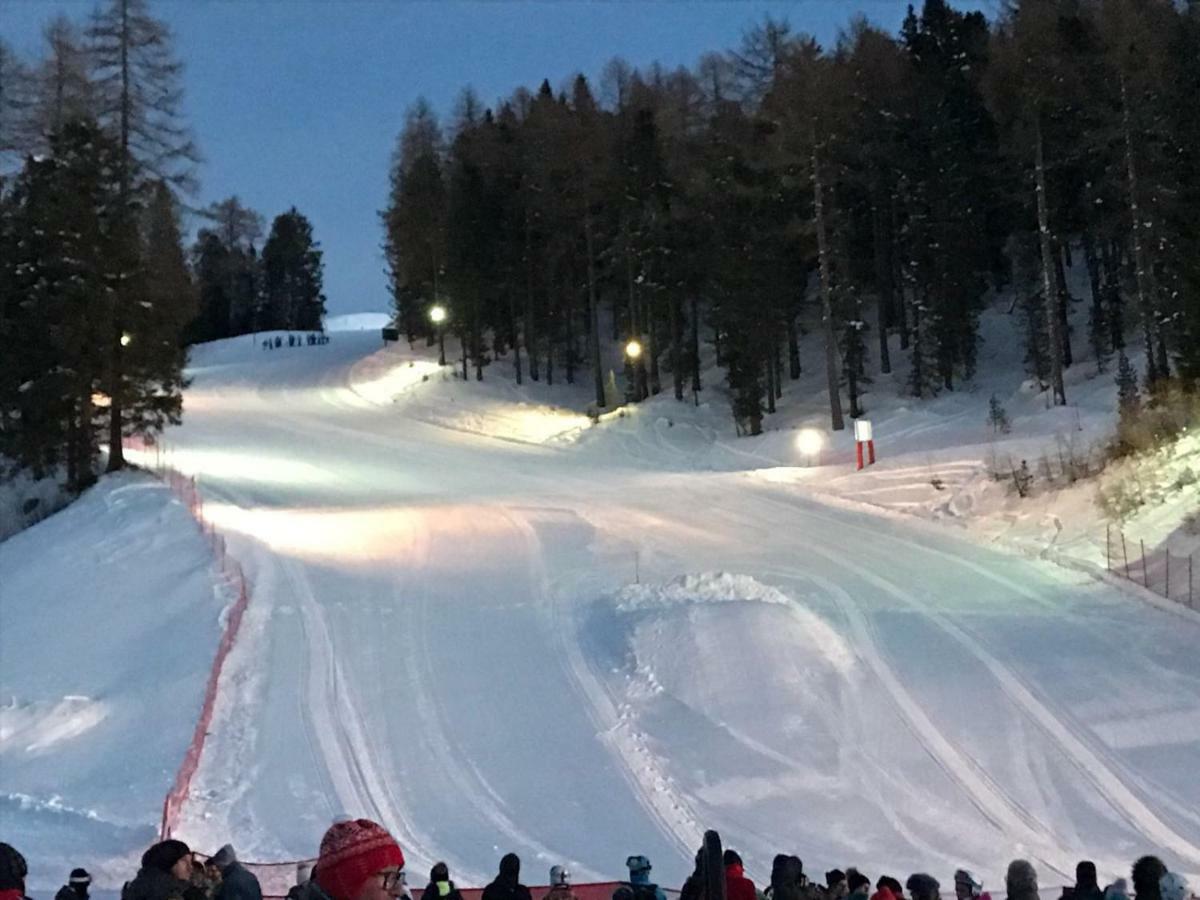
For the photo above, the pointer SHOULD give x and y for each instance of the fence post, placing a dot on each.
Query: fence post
(1108, 546)
(1145, 577)
(1191, 556)
(1125, 553)
(1167, 594)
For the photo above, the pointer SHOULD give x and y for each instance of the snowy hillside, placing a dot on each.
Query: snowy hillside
(495, 626)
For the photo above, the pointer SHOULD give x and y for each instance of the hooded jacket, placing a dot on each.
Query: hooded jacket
(1021, 880)
(507, 885)
(237, 882)
(155, 884)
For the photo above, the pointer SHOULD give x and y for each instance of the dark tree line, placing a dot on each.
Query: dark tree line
(886, 185)
(98, 297)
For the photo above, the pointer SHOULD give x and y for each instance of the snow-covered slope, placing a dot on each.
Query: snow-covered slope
(495, 626)
(108, 624)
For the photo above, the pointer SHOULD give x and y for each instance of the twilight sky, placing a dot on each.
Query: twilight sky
(298, 102)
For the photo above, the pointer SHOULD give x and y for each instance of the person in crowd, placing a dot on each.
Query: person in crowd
(76, 887)
(12, 873)
(922, 886)
(237, 882)
(1173, 886)
(1086, 885)
(787, 879)
(1147, 873)
(560, 884)
(737, 885)
(303, 875)
(507, 883)
(1118, 890)
(1021, 880)
(166, 874)
(858, 884)
(835, 884)
(693, 887)
(440, 886)
(358, 860)
(639, 886)
(968, 887)
(891, 886)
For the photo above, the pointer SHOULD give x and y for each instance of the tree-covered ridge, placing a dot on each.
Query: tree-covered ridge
(889, 183)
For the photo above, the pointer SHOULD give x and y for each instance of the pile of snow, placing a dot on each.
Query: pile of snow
(110, 622)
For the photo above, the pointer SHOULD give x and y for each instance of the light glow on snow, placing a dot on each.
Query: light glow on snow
(810, 442)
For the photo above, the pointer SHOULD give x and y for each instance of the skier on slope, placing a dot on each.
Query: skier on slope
(507, 884)
(76, 887)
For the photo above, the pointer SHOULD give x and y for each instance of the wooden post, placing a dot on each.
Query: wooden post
(1145, 577)
(1125, 553)
(1108, 547)
(1167, 592)
(1191, 557)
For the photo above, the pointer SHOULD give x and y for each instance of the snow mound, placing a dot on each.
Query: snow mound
(809, 634)
(708, 587)
(38, 726)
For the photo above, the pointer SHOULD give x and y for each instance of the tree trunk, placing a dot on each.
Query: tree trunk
(1050, 298)
(900, 303)
(1093, 266)
(769, 365)
(883, 286)
(531, 336)
(1112, 296)
(676, 345)
(516, 335)
(593, 312)
(1064, 299)
(777, 361)
(1141, 276)
(793, 342)
(696, 348)
(831, 372)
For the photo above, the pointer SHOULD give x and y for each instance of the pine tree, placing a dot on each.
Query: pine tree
(293, 276)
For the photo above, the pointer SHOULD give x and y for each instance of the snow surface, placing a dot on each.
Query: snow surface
(495, 626)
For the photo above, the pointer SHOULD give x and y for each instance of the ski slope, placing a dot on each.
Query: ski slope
(493, 627)
(444, 636)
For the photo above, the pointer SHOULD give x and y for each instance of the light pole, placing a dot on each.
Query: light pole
(633, 355)
(437, 315)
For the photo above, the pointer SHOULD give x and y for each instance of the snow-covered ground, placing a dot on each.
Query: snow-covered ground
(495, 626)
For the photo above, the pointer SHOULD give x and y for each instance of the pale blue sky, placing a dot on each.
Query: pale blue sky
(298, 102)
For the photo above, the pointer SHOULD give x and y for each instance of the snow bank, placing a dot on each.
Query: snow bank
(110, 621)
(25, 500)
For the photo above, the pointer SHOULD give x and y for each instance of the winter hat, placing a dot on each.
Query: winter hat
(164, 855)
(1118, 890)
(12, 869)
(224, 857)
(1085, 875)
(351, 852)
(833, 876)
(922, 886)
(1173, 886)
(1021, 878)
(439, 872)
(559, 876)
(1146, 874)
(640, 864)
(731, 858)
(79, 876)
(887, 881)
(856, 879)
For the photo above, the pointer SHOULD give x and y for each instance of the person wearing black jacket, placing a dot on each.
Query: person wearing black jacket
(440, 886)
(76, 887)
(507, 885)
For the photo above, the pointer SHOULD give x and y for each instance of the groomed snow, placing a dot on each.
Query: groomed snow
(494, 626)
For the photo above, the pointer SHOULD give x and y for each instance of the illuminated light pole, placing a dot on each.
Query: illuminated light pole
(126, 339)
(633, 350)
(810, 442)
(633, 354)
(437, 315)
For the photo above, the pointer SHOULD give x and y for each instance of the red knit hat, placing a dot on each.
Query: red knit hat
(351, 852)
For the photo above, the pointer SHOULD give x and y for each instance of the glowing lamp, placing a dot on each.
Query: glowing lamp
(633, 349)
(810, 441)
(126, 339)
(437, 315)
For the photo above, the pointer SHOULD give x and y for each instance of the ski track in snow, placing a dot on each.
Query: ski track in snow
(474, 513)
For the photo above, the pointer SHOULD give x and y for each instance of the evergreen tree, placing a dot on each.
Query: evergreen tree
(293, 276)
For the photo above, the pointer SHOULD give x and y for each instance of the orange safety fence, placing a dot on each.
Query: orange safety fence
(184, 487)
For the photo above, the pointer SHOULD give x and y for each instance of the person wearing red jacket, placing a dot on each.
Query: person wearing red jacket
(737, 885)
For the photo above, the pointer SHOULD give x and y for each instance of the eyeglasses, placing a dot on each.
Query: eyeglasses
(392, 881)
